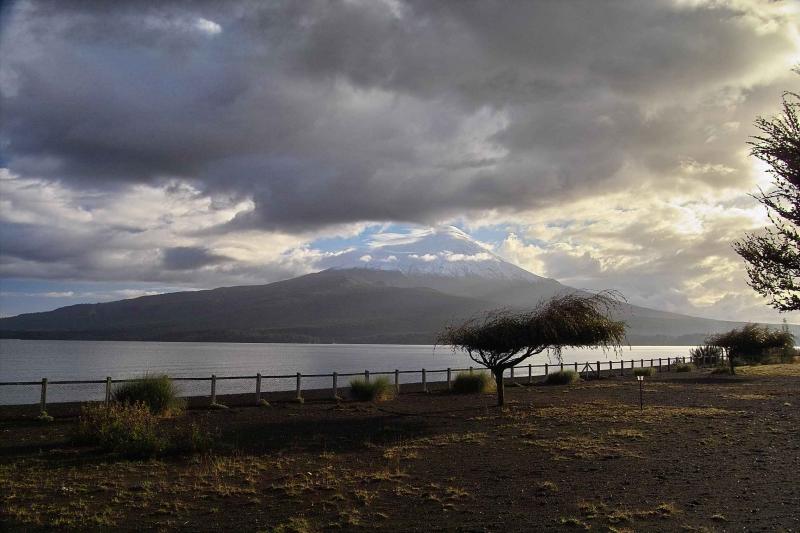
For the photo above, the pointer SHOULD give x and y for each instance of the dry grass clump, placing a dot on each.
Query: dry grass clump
(377, 390)
(647, 371)
(632, 434)
(129, 429)
(786, 369)
(562, 377)
(684, 367)
(474, 383)
(157, 393)
(581, 447)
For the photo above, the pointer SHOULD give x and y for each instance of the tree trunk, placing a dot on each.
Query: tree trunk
(730, 362)
(501, 390)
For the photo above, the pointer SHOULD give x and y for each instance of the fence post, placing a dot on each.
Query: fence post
(449, 382)
(366, 376)
(641, 363)
(258, 388)
(598, 369)
(530, 374)
(299, 397)
(668, 369)
(397, 381)
(424, 381)
(546, 369)
(659, 364)
(43, 401)
(335, 386)
(576, 366)
(108, 390)
(622, 367)
(213, 389)
(562, 366)
(651, 362)
(470, 370)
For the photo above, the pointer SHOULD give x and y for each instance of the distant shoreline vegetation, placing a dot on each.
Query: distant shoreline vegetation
(410, 339)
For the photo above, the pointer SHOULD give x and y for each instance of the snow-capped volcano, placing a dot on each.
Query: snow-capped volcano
(442, 251)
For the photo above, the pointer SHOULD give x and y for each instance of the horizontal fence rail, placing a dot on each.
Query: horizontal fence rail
(588, 369)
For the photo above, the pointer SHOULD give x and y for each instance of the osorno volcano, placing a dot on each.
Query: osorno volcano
(402, 289)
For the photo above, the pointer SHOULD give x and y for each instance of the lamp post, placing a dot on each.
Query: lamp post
(640, 379)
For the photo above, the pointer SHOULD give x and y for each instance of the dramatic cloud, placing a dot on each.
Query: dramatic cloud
(205, 143)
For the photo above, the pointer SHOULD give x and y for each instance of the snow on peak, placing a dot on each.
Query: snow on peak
(441, 251)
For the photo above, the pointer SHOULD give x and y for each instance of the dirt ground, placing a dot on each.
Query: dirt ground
(707, 453)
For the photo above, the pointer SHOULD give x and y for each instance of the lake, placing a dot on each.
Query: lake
(32, 360)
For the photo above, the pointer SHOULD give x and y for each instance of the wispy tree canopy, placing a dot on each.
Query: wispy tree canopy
(751, 343)
(502, 339)
(772, 257)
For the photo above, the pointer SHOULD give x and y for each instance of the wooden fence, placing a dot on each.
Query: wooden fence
(586, 369)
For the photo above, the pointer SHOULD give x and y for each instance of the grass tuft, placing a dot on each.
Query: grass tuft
(684, 367)
(475, 383)
(377, 390)
(129, 429)
(647, 371)
(562, 377)
(158, 393)
(294, 525)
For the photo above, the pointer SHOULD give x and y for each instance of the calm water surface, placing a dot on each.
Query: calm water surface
(31, 360)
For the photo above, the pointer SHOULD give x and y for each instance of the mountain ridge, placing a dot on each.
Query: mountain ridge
(401, 288)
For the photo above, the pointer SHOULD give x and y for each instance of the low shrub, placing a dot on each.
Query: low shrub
(562, 377)
(376, 390)
(129, 429)
(474, 383)
(194, 439)
(706, 354)
(158, 393)
(684, 367)
(645, 371)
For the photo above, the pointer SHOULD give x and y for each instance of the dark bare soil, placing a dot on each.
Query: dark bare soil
(707, 453)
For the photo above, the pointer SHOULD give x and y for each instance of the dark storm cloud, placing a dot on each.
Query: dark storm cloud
(189, 258)
(328, 112)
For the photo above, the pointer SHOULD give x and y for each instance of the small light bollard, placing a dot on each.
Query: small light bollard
(258, 388)
(424, 381)
(530, 374)
(397, 381)
(640, 379)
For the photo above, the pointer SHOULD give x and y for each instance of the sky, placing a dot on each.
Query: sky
(148, 147)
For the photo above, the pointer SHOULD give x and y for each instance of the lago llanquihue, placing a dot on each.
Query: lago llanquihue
(31, 360)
